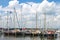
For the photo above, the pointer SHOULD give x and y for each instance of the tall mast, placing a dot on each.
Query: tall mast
(44, 21)
(21, 17)
(7, 23)
(7, 19)
(36, 20)
(14, 22)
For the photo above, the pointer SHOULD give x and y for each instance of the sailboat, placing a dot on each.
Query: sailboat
(48, 33)
(13, 31)
(36, 32)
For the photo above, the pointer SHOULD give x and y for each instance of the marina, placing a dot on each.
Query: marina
(29, 32)
(32, 32)
(30, 21)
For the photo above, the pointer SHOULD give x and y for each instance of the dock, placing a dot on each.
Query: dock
(30, 32)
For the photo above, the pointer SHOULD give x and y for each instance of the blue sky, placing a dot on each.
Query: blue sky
(5, 2)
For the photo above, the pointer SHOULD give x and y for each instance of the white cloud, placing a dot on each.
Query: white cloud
(47, 7)
(29, 10)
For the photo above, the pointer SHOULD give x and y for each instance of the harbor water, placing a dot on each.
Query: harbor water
(2, 37)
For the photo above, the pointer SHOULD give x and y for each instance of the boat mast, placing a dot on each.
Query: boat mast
(44, 21)
(15, 16)
(14, 21)
(21, 17)
(36, 20)
(7, 23)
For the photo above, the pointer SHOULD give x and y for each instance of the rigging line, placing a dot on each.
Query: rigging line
(16, 17)
(10, 16)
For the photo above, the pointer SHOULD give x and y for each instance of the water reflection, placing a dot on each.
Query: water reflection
(39, 38)
(51, 38)
(2, 37)
(34, 38)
